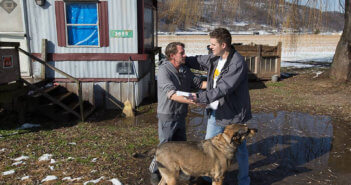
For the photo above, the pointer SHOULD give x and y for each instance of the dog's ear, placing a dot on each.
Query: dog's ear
(238, 132)
(235, 132)
(249, 133)
(252, 132)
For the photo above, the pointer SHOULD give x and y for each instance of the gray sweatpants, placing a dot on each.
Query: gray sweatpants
(169, 131)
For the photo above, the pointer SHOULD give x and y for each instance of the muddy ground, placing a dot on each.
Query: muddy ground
(304, 123)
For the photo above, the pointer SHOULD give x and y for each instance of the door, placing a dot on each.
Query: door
(12, 29)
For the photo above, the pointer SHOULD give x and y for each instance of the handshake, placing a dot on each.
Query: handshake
(191, 97)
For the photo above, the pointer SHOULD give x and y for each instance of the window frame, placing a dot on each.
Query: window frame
(97, 24)
(61, 33)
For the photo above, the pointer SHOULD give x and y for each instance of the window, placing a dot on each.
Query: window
(82, 23)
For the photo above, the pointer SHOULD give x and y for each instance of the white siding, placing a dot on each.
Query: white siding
(122, 16)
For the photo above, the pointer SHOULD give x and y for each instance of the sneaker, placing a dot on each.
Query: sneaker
(155, 178)
(153, 166)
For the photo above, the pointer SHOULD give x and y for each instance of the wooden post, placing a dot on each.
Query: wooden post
(81, 106)
(279, 58)
(43, 57)
(258, 61)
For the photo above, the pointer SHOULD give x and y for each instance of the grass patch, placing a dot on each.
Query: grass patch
(275, 84)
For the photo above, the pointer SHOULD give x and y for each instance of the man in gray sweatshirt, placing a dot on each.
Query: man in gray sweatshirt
(172, 77)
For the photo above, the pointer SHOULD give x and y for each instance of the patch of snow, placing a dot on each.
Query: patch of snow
(67, 179)
(70, 158)
(295, 64)
(52, 161)
(51, 168)
(94, 160)
(3, 150)
(72, 143)
(93, 171)
(115, 181)
(298, 58)
(49, 178)
(241, 32)
(45, 157)
(240, 23)
(190, 33)
(24, 178)
(94, 181)
(317, 74)
(71, 180)
(17, 163)
(27, 126)
(21, 158)
(8, 172)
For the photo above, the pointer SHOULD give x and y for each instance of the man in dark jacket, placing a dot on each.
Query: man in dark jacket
(227, 93)
(174, 80)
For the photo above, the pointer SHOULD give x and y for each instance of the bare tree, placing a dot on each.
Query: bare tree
(185, 13)
(341, 66)
(181, 14)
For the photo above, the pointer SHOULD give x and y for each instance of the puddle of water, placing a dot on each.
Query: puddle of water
(291, 140)
(292, 147)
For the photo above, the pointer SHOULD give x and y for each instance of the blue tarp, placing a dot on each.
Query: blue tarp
(82, 14)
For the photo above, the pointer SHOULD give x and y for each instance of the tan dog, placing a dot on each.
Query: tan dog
(210, 157)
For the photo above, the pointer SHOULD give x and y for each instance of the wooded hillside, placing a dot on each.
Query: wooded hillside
(243, 15)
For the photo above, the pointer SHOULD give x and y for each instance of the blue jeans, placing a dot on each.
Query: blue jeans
(242, 155)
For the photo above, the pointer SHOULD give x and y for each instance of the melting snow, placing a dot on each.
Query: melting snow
(27, 126)
(71, 180)
(52, 161)
(49, 178)
(317, 74)
(21, 158)
(17, 163)
(8, 172)
(67, 179)
(94, 160)
(25, 178)
(240, 23)
(45, 157)
(72, 143)
(115, 181)
(94, 181)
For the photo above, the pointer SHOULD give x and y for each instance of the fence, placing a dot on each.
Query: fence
(263, 60)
